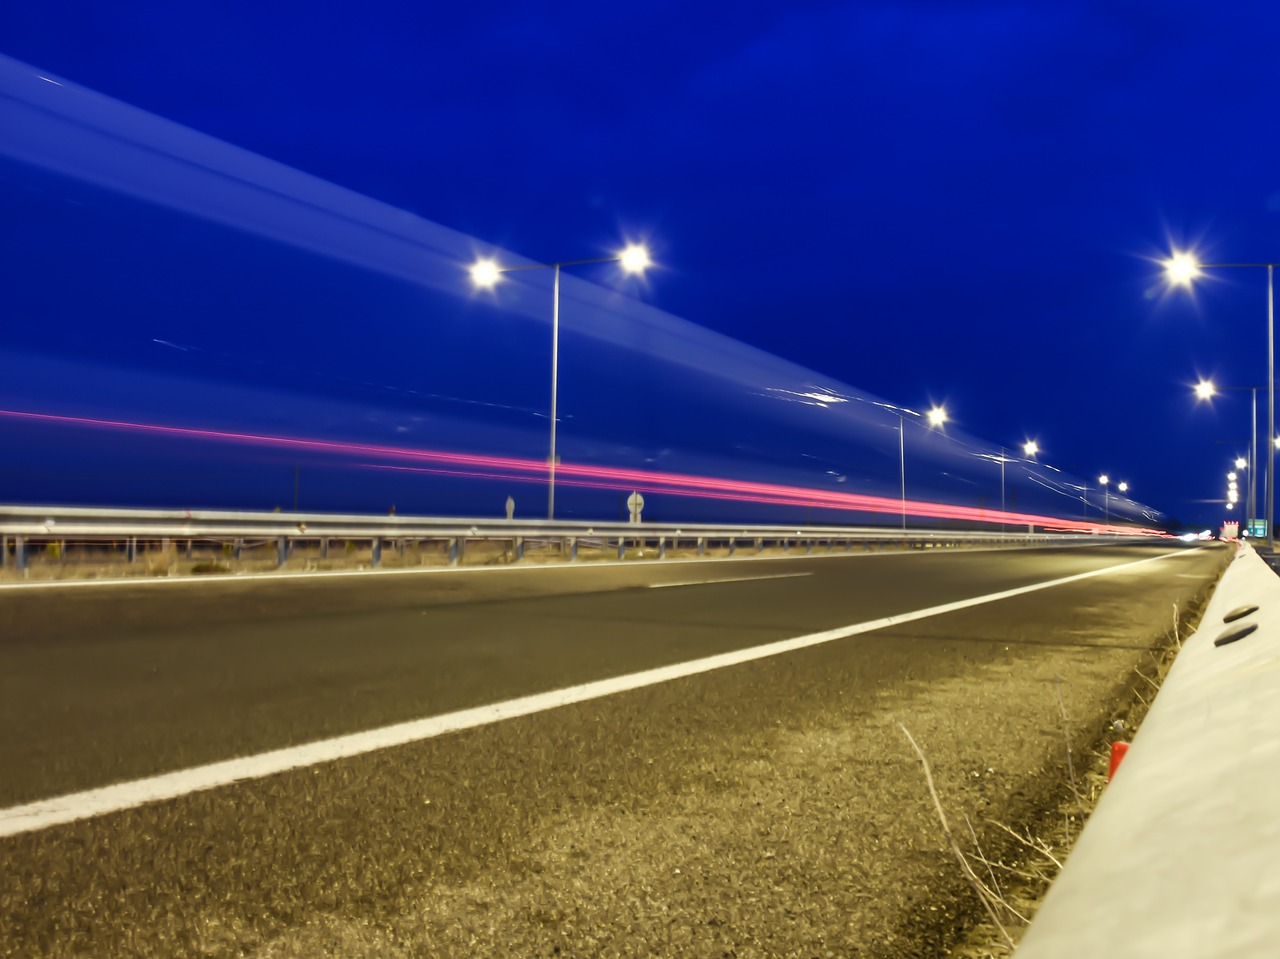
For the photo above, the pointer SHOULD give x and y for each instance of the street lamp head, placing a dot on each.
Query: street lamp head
(635, 258)
(485, 273)
(1104, 479)
(1123, 487)
(1232, 478)
(1206, 390)
(937, 416)
(1181, 269)
(1031, 447)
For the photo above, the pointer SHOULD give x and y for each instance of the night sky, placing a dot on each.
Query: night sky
(959, 203)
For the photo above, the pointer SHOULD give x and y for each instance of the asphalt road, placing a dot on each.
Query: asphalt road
(105, 684)
(101, 684)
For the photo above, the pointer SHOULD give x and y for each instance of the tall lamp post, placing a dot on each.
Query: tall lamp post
(1207, 390)
(936, 416)
(486, 273)
(1104, 479)
(1030, 448)
(1183, 268)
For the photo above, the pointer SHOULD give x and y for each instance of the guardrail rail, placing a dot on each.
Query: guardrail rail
(221, 540)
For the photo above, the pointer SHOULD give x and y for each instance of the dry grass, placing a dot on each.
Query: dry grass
(1044, 847)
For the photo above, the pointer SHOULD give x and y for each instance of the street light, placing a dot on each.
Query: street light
(1181, 269)
(936, 416)
(1205, 390)
(486, 273)
(1123, 487)
(1104, 479)
(1030, 448)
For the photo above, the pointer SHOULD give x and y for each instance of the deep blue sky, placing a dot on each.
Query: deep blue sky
(939, 201)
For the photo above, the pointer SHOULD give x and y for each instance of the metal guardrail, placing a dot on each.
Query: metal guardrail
(49, 530)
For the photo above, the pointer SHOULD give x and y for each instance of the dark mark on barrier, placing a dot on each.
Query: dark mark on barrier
(1240, 612)
(1231, 635)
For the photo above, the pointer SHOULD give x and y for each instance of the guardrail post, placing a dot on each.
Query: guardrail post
(733, 546)
(662, 547)
(573, 548)
(808, 547)
(759, 544)
(400, 547)
(376, 559)
(622, 547)
(519, 548)
(454, 550)
(236, 549)
(188, 549)
(786, 545)
(282, 551)
(702, 545)
(324, 547)
(131, 549)
(4, 552)
(20, 554)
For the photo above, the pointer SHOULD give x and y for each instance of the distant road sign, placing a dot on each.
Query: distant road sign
(635, 503)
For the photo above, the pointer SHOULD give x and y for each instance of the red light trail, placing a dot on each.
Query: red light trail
(600, 477)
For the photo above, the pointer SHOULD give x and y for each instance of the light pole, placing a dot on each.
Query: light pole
(936, 416)
(486, 273)
(1207, 390)
(1030, 448)
(1182, 269)
(1104, 479)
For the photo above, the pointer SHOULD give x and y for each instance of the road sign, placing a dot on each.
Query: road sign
(635, 503)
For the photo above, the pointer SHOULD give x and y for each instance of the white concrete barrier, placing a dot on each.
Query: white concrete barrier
(1181, 858)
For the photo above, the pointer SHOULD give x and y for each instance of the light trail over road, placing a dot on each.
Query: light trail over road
(647, 692)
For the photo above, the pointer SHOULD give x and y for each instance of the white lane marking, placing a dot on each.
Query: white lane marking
(71, 807)
(736, 579)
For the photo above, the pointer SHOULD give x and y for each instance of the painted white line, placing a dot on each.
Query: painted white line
(44, 813)
(736, 579)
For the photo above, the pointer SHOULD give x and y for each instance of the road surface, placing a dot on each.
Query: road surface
(751, 805)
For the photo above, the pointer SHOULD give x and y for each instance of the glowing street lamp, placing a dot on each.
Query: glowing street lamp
(1182, 269)
(1030, 448)
(1104, 479)
(485, 274)
(1123, 487)
(937, 415)
(1206, 389)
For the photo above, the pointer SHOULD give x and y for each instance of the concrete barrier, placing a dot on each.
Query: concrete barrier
(1181, 858)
